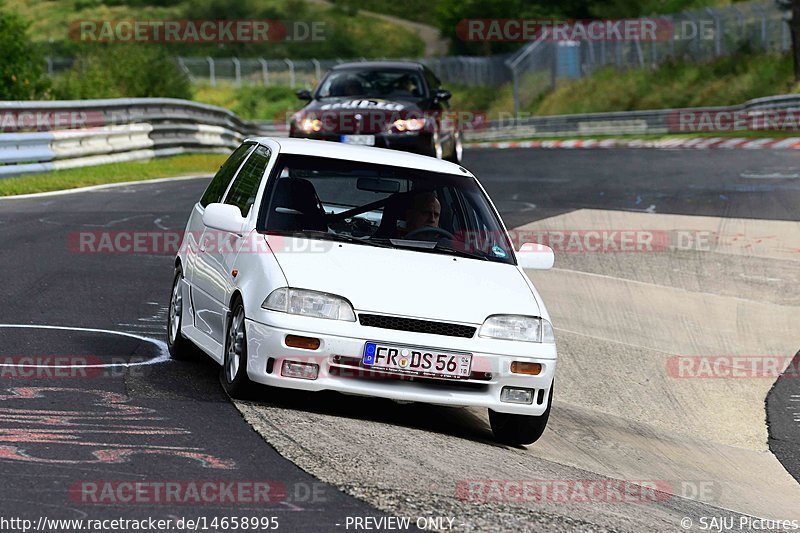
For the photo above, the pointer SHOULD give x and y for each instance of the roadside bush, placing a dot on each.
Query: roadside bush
(123, 70)
(22, 67)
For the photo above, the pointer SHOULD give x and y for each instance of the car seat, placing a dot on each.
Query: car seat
(296, 207)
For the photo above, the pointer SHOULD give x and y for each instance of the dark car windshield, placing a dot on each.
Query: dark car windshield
(381, 205)
(393, 83)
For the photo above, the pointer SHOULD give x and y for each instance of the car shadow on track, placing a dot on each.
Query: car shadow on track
(451, 421)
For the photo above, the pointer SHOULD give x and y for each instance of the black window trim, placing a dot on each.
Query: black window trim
(244, 162)
(233, 178)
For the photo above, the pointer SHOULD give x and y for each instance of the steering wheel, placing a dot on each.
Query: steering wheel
(430, 230)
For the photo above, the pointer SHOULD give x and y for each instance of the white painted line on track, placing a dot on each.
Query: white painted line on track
(161, 345)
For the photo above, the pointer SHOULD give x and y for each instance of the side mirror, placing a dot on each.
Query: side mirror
(535, 256)
(303, 94)
(224, 217)
(443, 95)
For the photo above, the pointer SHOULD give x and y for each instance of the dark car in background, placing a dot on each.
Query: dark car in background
(389, 104)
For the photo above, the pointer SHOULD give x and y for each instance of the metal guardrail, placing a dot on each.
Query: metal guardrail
(126, 129)
(649, 122)
(92, 132)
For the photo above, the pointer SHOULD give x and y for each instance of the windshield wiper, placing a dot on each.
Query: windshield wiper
(435, 246)
(462, 253)
(340, 237)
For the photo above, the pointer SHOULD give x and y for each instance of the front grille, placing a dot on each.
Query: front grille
(417, 326)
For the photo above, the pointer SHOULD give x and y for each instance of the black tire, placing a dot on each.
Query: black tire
(436, 149)
(180, 347)
(233, 374)
(458, 149)
(519, 430)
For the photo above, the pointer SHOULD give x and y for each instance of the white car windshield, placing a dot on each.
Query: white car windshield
(383, 206)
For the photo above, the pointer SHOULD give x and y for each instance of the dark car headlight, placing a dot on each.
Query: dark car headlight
(409, 124)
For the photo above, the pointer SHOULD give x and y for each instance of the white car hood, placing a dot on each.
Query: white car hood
(405, 282)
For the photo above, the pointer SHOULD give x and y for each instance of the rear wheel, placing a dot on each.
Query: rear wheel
(233, 374)
(179, 346)
(518, 430)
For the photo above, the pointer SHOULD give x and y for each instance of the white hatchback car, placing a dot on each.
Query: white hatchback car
(319, 266)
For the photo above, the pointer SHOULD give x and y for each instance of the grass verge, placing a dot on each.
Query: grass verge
(112, 173)
(726, 81)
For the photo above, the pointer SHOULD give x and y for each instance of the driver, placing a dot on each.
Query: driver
(425, 210)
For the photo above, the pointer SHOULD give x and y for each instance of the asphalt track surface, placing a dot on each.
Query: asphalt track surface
(171, 422)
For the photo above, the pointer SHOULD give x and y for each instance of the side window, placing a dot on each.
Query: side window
(245, 186)
(433, 81)
(222, 179)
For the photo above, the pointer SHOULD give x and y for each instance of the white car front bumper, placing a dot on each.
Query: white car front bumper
(339, 356)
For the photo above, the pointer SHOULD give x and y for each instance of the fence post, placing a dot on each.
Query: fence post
(264, 71)
(717, 32)
(696, 39)
(786, 43)
(515, 90)
(317, 70)
(237, 71)
(212, 75)
(291, 71)
(49, 66)
(672, 38)
(764, 41)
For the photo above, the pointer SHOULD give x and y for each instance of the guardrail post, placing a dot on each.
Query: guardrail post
(237, 71)
(212, 75)
(264, 71)
(291, 71)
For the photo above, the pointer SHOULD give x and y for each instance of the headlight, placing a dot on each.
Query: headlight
(518, 328)
(309, 303)
(411, 124)
(310, 124)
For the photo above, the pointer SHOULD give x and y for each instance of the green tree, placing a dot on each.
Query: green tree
(450, 12)
(22, 66)
(124, 70)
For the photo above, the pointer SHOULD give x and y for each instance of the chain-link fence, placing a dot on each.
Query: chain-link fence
(472, 71)
(694, 36)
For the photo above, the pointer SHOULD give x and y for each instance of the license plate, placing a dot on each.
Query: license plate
(366, 140)
(415, 360)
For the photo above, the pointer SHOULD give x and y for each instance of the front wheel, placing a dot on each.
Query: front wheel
(518, 430)
(435, 149)
(233, 374)
(458, 149)
(179, 346)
